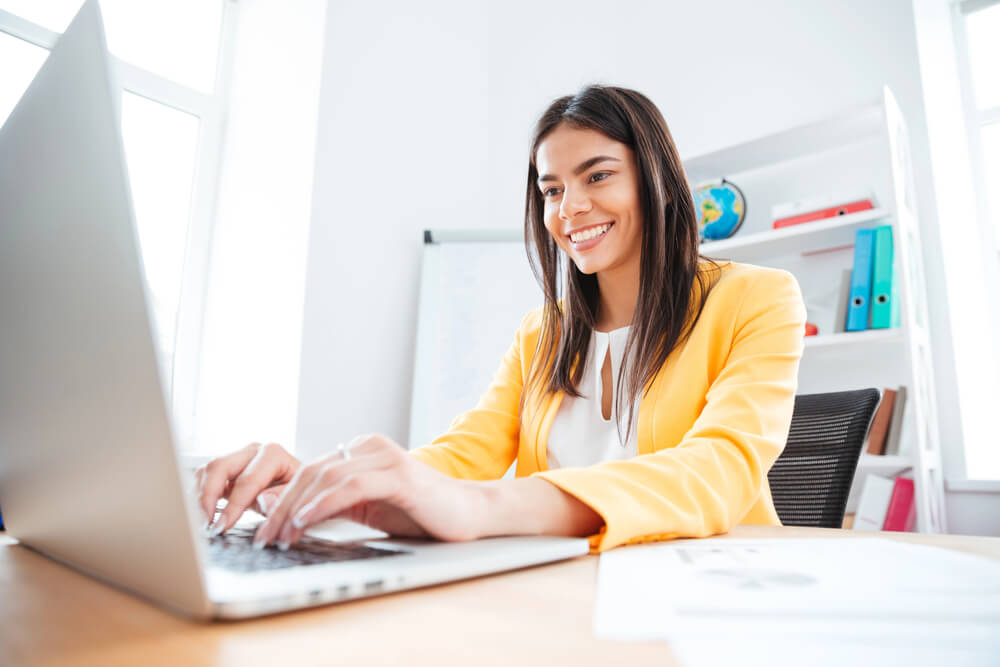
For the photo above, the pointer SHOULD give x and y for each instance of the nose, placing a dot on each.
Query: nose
(574, 202)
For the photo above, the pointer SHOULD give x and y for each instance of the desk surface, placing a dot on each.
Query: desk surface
(49, 614)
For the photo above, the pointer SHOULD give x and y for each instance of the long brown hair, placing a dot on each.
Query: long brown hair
(669, 263)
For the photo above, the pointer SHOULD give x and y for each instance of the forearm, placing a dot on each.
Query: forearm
(533, 506)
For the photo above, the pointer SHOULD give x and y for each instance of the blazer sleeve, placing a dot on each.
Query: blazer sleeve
(710, 480)
(482, 443)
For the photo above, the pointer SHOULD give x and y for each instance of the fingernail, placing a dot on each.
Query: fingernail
(217, 525)
(283, 546)
(300, 519)
(262, 503)
(258, 544)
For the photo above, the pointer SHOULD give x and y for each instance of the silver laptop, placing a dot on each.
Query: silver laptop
(89, 471)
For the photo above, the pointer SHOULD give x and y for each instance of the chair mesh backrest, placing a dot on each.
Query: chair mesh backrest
(812, 477)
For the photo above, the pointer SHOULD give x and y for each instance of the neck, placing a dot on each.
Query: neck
(618, 290)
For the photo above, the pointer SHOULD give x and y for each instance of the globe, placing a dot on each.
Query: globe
(720, 208)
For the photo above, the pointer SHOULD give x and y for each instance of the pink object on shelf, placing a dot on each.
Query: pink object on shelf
(902, 513)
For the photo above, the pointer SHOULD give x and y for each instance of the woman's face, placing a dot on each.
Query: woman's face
(591, 191)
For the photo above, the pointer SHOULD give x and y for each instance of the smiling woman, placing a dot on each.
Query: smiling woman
(595, 204)
(705, 354)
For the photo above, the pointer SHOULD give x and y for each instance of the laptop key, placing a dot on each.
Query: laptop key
(234, 551)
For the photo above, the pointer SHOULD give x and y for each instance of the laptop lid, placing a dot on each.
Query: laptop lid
(88, 473)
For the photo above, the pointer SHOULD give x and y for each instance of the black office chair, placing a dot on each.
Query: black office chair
(812, 476)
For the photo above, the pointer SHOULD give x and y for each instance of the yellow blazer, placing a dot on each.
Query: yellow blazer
(713, 422)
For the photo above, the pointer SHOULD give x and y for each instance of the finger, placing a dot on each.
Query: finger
(332, 476)
(268, 498)
(267, 530)
(361, 488)
(270, 529)
(215, 474)
(374, 487)
(268, 467)
(328, 472)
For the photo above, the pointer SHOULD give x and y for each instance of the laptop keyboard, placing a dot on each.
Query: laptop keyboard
(234, 551)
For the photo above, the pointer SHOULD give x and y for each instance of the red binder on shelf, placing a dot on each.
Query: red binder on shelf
(902, 512)
(823, 213)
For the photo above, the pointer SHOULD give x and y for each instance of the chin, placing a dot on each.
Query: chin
(588, 267)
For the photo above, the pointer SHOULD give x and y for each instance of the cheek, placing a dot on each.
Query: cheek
(552, 225)
(623, 200)
(625, 204)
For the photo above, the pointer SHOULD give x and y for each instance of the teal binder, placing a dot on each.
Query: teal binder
(895, 316)
(882, 279)
(861, 281)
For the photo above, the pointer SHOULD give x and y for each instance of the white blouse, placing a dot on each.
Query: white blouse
(580, 435)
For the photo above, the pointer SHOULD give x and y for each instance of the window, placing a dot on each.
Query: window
(976, 62)
(173, 62)
(977, 38)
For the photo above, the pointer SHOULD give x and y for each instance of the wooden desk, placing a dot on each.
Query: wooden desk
(51, 615)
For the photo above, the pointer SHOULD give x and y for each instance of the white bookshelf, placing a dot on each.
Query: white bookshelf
(818, 236)
(863, 150)
(886, 465)
(862, 338)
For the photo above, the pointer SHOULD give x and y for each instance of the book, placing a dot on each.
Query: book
(896, 425)
(858, 311)
(880, 423)
(882, 278)
(874, 503)
(824, 213)
(843, 299)
(901, 513)
(895, 310)
(829, 199)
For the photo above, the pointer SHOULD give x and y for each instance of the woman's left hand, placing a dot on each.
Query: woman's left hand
(376, 482)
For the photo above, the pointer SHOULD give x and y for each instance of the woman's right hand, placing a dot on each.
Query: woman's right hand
(242, 477)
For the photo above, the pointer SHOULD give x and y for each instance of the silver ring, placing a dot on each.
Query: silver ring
(344, 452)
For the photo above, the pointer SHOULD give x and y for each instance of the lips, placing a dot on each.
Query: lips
(588, 237)
(591, 231)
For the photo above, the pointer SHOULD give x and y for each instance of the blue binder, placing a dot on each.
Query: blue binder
(861, 281)
(882, 279)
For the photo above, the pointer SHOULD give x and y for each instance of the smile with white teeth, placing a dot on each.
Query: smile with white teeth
(588, 234)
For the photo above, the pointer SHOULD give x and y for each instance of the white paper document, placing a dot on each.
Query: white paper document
(803, 601)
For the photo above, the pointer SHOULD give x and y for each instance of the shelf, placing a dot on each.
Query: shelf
(895, 463)
(852, 127)
(841, 339)
(806, 238)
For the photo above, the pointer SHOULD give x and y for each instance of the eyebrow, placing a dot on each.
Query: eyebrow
(580, 168)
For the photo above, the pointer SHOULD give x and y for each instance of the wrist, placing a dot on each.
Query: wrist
(533, 506)
(505, 509)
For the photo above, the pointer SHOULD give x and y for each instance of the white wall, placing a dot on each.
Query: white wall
(402, 145)
(426, 114)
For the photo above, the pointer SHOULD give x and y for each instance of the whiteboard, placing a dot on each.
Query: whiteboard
(475, 288)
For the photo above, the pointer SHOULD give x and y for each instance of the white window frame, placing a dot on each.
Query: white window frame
(975, 118)
(211, 110)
